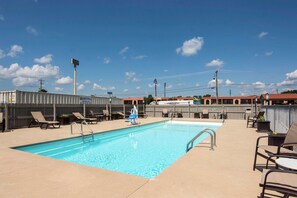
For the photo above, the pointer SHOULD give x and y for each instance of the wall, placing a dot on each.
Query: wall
(280, 116)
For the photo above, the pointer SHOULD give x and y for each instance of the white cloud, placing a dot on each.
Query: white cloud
(32, 30)
(130, 75)
(137, 88)
(87, 82)
(58, 89)
(268, 53)
(212, 83)
(165, 70)
(37, 71)
(140, 57)
(151, 85)
(259, 85)
(125, 90)
(2, 18)
(23, 81)
(2, 54)
(292, 75)
(81, 87)
(44, 59)
(215, 62)
(191, 47)
(135, 79)
(15, 50)
(64, 80)
(229, 82)
(197, 85)
(99, 87)
(9, 72)
(286, 82)
(262, 35)
(106, 60)
(124, 50)
(168, 86)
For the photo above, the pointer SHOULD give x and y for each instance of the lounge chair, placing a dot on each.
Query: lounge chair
(2, 121)
(106, 114)
(165, 113)
(254, 119)
(40, 120)
(281, 181)
(290, 140)
(80, 118)
(205, 113)
(99, 116)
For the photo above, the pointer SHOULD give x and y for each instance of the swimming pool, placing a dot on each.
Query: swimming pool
(144, 150)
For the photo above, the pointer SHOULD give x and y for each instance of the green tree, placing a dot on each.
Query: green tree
(290, 92)
(148, 99)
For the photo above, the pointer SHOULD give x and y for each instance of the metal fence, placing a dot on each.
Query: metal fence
(195, 111)
(280, 116)
(19, 115)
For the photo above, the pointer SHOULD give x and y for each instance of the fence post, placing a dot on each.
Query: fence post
(124, 110)
(6, 116)
(274, 119)
(84, 108)
(154, 110)
(189, 110)
(54, 111)
(289, 115)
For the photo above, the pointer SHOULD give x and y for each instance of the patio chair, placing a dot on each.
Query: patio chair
(80, 118)
(165, 113)
(2, 121)
(40, 120)
(281, 181)
(269, 150)
(254, 119)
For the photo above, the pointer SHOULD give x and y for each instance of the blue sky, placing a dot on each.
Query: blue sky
(123, 46)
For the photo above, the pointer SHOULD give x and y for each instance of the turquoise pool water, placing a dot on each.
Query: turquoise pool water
(142, 150)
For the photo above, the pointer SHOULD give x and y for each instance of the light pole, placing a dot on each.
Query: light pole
(267, 98)
(165, 90)
(155, 82)
(110, 94)
(217, 89)
(143, 102)
(256, 101)
(75, 63)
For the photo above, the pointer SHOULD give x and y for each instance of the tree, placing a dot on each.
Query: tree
(207, 95)
(289, 92)
(42, 90)
(148, 99)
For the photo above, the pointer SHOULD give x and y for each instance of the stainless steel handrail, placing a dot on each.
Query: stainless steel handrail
(213, 139)
(81, 131)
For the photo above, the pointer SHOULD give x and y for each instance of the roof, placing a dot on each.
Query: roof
(139, 98)
(231, 97)
(281, 96)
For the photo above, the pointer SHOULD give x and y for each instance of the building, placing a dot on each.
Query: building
(237, 100)
(278, 99)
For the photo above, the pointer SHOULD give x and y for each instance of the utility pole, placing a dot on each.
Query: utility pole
(165, 90)
(41, 82)
(217, 88)
(156, 83)
(75, 63)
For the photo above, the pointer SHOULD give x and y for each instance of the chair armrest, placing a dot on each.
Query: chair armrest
(258, 140)
(286, 155)
(277, 170)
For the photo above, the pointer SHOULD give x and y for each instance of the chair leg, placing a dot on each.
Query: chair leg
(255, 159)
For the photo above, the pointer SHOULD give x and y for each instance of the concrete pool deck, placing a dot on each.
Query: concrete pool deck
(224, 172)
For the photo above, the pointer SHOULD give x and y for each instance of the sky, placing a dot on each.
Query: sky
(122, 46)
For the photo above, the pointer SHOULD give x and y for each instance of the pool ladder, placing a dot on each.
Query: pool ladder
(213, 139)
(87, 136)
